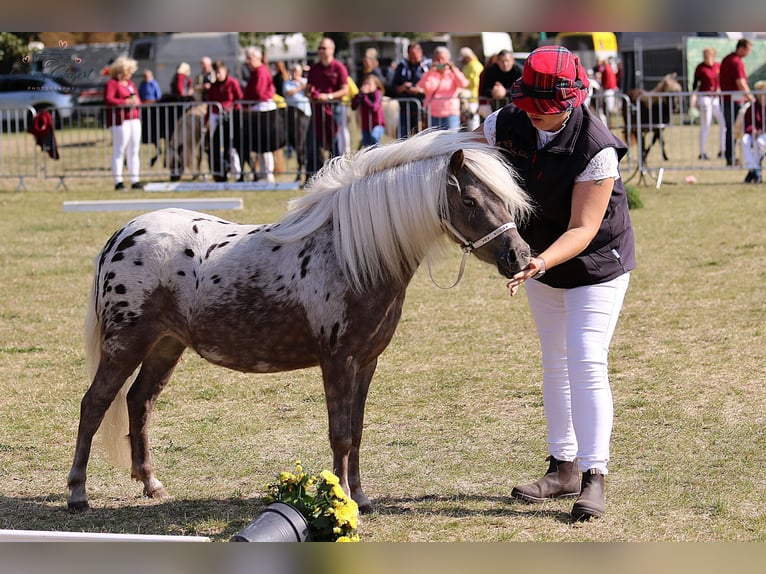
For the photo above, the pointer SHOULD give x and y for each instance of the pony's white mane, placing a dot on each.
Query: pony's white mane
(387, 202)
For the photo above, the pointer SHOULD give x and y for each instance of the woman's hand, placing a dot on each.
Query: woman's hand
(536, 266)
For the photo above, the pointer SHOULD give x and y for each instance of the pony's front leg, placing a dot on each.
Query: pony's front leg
(364, 376)
(339, 377)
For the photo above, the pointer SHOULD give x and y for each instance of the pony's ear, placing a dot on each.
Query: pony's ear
(456, 161)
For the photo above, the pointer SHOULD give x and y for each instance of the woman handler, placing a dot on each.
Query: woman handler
(567, 160)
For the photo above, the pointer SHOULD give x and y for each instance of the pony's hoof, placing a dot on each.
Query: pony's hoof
(363, 503)
(175, 178)
(78, 505)
(158, 493)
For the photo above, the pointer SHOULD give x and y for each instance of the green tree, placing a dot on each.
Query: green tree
(12, 51)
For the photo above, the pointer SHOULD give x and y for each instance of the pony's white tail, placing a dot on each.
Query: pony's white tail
(113, 431)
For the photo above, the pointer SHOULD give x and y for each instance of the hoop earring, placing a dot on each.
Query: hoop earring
(569, 114)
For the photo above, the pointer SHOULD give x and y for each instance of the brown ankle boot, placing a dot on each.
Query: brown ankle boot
(561, 481)
(591, 503)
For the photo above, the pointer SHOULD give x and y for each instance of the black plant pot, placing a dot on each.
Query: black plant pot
(278, 522)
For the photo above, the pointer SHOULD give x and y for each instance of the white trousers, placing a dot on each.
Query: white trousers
(710, 107)
(126, 141)
(575, 327)
(753, 149)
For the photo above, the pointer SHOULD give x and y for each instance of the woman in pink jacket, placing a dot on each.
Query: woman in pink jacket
(441, 85)
(124, 121)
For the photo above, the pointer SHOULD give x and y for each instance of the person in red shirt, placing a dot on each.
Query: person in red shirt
(182, 85)
(124, 120)
(707, 98)
(260, 92)
(606, 76)
(754, 138)
(227, 92)
(733, 78)
(327, 85)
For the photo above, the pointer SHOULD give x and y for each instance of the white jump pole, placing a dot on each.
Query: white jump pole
(50, 536)
(152, 204)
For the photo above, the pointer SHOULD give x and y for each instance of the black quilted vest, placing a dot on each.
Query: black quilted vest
(548, 175)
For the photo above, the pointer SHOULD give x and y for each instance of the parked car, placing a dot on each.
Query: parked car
(38, 91)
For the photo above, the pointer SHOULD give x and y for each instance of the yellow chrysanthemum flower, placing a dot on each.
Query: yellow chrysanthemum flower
(338, 492)
(288, 477)
(329, 477)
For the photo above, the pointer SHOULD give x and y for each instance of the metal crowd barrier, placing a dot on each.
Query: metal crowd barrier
(669, 137)
(18, 158)
(661, 129)
(173, 142)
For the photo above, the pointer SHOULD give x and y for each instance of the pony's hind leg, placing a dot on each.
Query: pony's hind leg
(109, 378)
(155, 372)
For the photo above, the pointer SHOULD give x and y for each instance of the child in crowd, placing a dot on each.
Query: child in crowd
(754, 138)
(369, 101)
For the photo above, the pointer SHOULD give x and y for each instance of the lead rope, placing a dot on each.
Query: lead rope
(459, 275)
(468, 247)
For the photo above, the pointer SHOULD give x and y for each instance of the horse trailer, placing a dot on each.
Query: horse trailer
(162, 53)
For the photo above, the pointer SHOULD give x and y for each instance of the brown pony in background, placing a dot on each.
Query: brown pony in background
(656, 110)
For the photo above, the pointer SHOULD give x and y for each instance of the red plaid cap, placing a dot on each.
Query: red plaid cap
(553, 81)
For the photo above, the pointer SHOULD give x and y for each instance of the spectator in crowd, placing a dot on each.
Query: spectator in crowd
(149, 88)
(205, 78)
(124, 121)
(295, 90)
(298, 113)
(327, 85)
(733, 78)
(341, 114)
(226, 91)
(371, 65)
(182, 85)
(279, 77)
(441, 85)
(496, 82)
(260, 90)
(582, 238)
(754, 137)
(606, 75)
(369, 102)
(707, 98)
(472, 70)
(406, 76)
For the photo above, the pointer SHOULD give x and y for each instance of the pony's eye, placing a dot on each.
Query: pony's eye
(469, 202)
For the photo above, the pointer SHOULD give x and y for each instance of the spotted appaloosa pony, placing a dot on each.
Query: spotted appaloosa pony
(324, 286)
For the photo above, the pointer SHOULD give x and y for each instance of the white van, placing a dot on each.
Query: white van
(162, 53)
(483, 44)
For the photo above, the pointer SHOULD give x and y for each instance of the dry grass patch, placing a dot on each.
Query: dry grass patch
(454, 416)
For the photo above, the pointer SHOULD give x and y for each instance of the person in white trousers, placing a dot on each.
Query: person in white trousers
(707, 99)
(124, 120)
(583, 251)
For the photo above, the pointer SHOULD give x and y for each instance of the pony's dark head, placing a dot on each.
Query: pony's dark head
(480, 219)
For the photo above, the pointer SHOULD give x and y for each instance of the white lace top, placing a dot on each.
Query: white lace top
(604, 164)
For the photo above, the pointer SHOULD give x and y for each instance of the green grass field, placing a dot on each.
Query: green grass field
(454, 417)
